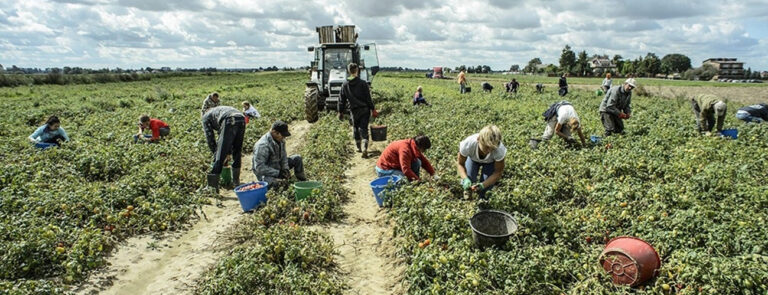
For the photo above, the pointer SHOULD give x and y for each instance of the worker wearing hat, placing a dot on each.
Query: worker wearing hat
(617, 106)
(707, 107)
(270, 161)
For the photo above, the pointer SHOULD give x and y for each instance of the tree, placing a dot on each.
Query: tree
(551, 69)
(532, 66)
(652, 64)
(567, 59)
(628, 68)
(675, 63)
(513, 68)
(582, 64)
(748, 73)
(618, 61)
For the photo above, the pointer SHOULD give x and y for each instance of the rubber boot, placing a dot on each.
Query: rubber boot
(213, 181)
(357, 143)
(365, 148)
(235, 177)
(301, 176)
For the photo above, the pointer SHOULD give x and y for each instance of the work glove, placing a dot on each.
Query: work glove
(623, 116)
(478, 187)
(375, 113)
(466, 183)
(285, 174)
(435, 177)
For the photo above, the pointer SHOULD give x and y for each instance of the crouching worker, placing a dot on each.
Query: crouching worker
(706, 107)
(418, 97)
(756, 113)
(250, 112)
(159, 129)
(560, 115)
(617, 106)
(270, 162)
(483, 154)
(230, 124)
(405, 158)
(51, 132)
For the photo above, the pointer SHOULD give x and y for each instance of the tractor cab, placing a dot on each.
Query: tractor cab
(337, 49)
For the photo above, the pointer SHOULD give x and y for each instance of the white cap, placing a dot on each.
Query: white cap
(631, 82)
(720, 108)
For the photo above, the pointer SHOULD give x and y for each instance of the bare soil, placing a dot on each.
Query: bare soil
(366, 253)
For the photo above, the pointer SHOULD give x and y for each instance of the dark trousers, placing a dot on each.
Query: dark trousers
(612, 124)
(360, 119)
(55, 140)
(479, 172)
(230, 142)
(563, 91)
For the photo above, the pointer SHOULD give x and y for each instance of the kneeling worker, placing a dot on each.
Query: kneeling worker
(706, 107)
(230, 124)
(158, 127)
(405, 158)
(270, 162)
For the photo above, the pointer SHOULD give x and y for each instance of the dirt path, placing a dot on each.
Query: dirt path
(173, 265)
(363, 239)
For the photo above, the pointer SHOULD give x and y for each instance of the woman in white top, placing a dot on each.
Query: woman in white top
(250, 112)
(484, 151)
(566, 117)
(607, 82)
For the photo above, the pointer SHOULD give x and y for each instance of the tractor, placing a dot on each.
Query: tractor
(328, 71)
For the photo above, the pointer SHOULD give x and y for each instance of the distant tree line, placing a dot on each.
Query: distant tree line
(650, 65)
(16, 76)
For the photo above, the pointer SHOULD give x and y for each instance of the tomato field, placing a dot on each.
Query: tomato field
(700, 201)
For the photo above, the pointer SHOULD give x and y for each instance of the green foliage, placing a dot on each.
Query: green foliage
(567, 60)
(699, 200)
(62, 210)
(675, 63)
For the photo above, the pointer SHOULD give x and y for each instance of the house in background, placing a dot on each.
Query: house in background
(727, 68)
(601, 65)
(764, 75)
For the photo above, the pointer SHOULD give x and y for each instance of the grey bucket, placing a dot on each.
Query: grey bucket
(492, 228)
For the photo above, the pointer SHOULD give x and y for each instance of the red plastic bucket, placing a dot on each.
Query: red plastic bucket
(630, 261)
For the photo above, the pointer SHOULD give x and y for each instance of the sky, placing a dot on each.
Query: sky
(416, 34)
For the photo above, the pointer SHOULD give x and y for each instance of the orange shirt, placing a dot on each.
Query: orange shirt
(400, 154)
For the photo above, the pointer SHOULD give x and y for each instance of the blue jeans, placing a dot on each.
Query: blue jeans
(473, 169)
(415, 166)
(746, 117)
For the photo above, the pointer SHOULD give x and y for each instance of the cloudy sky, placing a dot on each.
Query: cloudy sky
(421, 33)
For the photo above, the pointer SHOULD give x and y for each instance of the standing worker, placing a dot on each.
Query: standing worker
(405, 158)
(159, 129)
(270, 160)
(756, 113)
(481, 153)
(617, 106)
(607, 82)
(211, 101)
(51, 132)
(230, 124)
(563, 83)
(706, 107)
(560, 115)
(462, 80)
(355, 91)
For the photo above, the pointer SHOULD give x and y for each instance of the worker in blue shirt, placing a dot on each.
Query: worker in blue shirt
(51, 132)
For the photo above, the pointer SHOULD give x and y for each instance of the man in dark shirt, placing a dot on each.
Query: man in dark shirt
(230, 124)
(563, 85)
(356, 93)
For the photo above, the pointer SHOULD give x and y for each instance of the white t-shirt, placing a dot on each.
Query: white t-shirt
(565, 113)
(469, 148)
(252, 112)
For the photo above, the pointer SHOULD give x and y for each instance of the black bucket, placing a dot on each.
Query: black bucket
(492, 228)
(213, 181)
(379, 133)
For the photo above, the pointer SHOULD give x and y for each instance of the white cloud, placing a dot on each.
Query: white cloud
(246, 33)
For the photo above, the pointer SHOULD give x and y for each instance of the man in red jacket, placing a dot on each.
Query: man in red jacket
(159, 129)
(405, 158)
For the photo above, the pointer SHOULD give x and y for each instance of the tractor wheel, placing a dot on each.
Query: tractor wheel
(310, 103)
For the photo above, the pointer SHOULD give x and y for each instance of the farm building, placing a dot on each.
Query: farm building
(726, 67)
(601, 64)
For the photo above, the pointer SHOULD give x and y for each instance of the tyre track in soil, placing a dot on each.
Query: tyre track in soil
(363, 240)
(180, 258)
